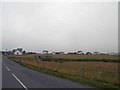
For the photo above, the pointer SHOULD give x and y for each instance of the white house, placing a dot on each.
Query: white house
(80, 53)
(18, 51)
(45, 52)
(96, 53)
(58, 52)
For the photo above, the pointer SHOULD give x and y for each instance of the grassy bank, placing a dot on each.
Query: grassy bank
(98, 74)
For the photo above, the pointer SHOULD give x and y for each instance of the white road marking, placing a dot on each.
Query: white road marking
(7, 68)
(20, 82)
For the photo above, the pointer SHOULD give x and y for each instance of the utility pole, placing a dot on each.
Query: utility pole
(7, 52)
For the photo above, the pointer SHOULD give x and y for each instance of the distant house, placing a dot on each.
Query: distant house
(18, 51)
(24, 52)
(61, 52)
(111, 53)
(80, 53)
(45, 52)
(88, 53)
(58, 52)
(72, 53)
(53, 53)
(30, 52)
(4, 52)
(9, 52)
(96, 53)
(103, 53)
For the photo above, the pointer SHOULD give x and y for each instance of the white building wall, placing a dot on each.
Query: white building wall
(17, 53)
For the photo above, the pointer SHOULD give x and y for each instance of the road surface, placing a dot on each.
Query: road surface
(17, 76)
(0, 71)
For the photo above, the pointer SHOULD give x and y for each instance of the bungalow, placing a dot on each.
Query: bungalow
(18, 51)
(96, 53)
(29, 52)
(72, 53)
(58, 52)
(9, 52)
(45, 52)
(80, 53)
(88, 53)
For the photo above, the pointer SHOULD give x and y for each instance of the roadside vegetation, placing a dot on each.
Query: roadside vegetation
(96, 70)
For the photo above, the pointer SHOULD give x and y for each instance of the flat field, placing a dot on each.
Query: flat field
(102, 72)
(113, 57)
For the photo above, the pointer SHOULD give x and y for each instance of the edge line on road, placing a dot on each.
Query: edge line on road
(7, 68)
(19, 81)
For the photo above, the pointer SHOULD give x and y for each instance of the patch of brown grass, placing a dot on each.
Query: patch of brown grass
(100, 71)
(85, 56)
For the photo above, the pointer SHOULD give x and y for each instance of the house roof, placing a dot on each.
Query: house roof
(18, 49)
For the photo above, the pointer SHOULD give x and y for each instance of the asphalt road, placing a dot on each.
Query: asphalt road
(17, 76)
(0, 71)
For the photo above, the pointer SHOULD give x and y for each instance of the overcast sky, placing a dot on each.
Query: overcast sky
(60, 26)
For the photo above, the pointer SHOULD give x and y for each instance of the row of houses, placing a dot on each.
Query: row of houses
(16, 51)
(77, 53)
(57, 52)
(20, 51)
(85, 53)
